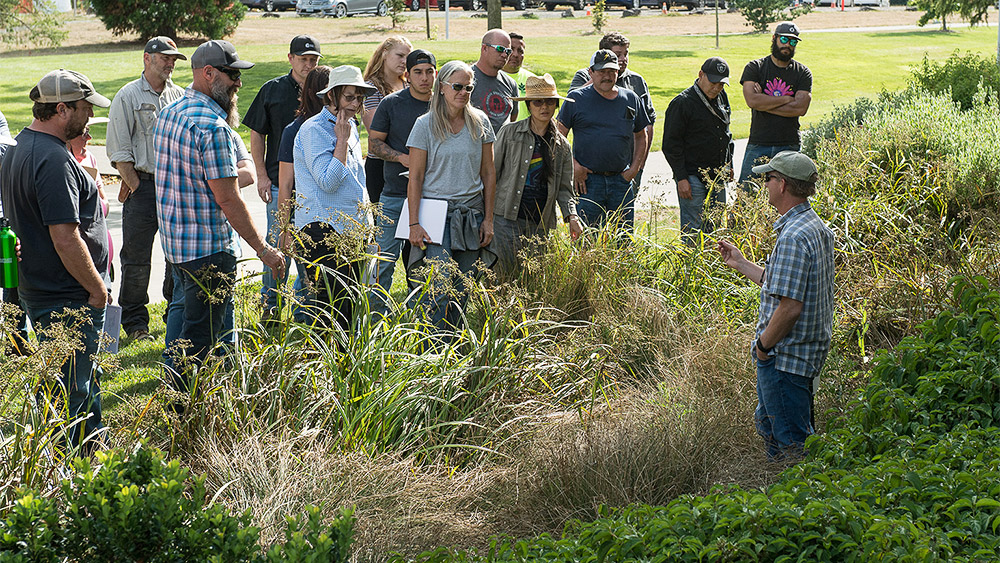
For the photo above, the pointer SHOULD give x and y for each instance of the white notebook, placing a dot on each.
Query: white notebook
(433, 213)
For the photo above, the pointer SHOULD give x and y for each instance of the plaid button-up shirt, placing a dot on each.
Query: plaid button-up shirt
(194, 144)
(801, 268)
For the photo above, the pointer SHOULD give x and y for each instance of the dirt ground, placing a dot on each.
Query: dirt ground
(88, 30)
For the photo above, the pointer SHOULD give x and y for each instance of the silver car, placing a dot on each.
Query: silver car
(341, 8)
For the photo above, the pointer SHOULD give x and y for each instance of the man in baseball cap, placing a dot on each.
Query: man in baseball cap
(699, 147)
(55, 208)
(270, 112)
(778, 91)
(220, 54)
(795, 322)
(164, 46)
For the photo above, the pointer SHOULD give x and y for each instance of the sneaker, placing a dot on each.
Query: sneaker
(140, 335)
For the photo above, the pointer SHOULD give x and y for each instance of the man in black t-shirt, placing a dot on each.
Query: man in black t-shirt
(387, 137)
(55, 209)
(778, 91)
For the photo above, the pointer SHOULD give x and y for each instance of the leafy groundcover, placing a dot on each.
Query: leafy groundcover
(911, 474)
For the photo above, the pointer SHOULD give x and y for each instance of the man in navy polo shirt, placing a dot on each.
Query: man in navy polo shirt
(609, 143)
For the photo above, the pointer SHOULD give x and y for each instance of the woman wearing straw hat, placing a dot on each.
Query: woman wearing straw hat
(534, 164)
(332, 219)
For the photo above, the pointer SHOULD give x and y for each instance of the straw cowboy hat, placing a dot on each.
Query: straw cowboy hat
(540, 88)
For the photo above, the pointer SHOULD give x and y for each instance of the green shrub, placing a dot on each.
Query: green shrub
(143, 508)
(841, 118)
(963, 75)
(211, 19)
(760, 14)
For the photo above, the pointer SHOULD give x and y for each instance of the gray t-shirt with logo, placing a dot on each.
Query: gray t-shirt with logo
(492, 95)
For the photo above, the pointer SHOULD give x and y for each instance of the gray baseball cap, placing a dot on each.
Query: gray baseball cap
(790, 163)
(66, 86)
(164, 46)
(218, 53)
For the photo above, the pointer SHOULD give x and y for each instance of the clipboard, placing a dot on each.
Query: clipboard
(433, 213)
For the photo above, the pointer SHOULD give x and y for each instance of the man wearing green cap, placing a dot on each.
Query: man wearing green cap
(795, 323)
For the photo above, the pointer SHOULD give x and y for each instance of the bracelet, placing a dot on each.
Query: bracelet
(414, 224)
(761, 347)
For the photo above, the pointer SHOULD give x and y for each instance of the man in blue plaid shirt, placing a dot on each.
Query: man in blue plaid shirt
(198, 202)
(795, 325)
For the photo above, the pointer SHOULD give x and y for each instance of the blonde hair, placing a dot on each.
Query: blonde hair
(373, 72)
(475, 120)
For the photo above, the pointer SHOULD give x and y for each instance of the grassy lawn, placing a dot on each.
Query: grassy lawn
(844, 65)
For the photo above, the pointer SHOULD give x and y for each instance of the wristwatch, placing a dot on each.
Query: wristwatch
(762, 349)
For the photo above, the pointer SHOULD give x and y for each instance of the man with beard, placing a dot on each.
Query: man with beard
(778, 91)
(493, 87)
(699, 147)
(619, 45)
(130, 147)
(387, 137)
(271, 110)
(609, 143)
(198, 200)
(55, 208)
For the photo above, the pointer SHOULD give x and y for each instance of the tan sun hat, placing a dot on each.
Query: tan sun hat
(540, 88)
(347, 75)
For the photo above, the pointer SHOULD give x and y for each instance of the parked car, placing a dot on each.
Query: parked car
(699, 4)
(269, 5)
(575, 4)
(341, 8)
(474, 5)
(835, 3)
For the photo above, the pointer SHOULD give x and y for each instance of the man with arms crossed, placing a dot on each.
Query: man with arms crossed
(130, 147)
(198, 200)
(778, 91)
(387, 137)
(795, 323)
(55, 208)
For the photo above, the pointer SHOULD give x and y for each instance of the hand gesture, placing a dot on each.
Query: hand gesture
(580, 177)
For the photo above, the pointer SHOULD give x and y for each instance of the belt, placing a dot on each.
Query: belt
(144, 175)
(608, 173)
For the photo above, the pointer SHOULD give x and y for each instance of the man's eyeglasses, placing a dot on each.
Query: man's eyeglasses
(232, 73)
(459, 87)
(500, 49)
(770, 177)
(788, 41)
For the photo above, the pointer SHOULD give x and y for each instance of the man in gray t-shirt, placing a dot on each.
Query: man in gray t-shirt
(494, 88)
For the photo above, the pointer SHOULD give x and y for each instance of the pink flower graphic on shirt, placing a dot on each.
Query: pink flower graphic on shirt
(778, 87)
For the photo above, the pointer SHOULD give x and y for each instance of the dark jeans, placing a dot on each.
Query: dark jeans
(139, 226)
(693, 212)
(752, 157)
(329, 277)
(206, 285)
(19, 321)
(784, 410)
(607, 194)
(375, 178)
(81, 377)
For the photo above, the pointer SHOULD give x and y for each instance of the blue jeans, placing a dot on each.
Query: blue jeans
(751, 157)
(139, 226)
(607, 194)
(693, 210)
(389, 249)
(203, 311)
(81, 377)
(268, 285)
(444, 309)
(784, 410)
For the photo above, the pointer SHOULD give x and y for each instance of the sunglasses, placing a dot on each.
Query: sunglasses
(544, 102)
(459, 87)
(770, 177)
(351, 98)
(232, 73)
(500, 49)
(788, 41)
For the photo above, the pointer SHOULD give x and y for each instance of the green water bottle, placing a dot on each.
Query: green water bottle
(8, 255)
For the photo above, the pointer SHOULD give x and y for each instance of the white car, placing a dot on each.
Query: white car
(341, 8)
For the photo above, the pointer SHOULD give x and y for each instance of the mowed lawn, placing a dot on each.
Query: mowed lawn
(844, 65)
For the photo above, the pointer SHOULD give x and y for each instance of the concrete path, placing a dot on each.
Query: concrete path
(657, 187)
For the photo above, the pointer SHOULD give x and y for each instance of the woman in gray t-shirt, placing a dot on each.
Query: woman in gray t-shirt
(451, 158)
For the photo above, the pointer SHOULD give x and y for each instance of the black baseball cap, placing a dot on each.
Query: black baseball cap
(164, 46)
(716, 69)
(787, 29)
(304, 45)
(419, 57)
(218, 53)
(605, 58)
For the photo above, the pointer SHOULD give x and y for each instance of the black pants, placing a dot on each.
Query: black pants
(329, 276)
(374, 177)
(139, 226)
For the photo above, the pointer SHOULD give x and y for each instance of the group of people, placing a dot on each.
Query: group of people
(485, 144)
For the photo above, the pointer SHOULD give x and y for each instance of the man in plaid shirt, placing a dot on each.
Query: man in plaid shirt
(198, 202)
(795, 325)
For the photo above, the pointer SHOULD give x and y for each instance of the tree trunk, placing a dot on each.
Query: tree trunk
(494, 19)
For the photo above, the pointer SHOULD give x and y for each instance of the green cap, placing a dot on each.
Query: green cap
(790, 163)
